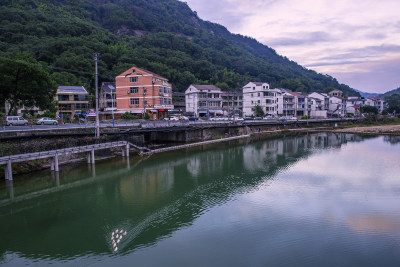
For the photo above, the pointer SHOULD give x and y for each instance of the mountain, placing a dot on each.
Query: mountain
(392, 92)
(366, 95)
(163, 36)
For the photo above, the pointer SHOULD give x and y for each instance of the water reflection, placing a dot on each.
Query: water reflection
(320, 176)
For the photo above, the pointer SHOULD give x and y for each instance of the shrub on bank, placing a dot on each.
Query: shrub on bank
(129, 116)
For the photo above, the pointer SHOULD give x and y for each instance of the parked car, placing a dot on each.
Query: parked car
(15, 120)
(46, 120)
(192, 119)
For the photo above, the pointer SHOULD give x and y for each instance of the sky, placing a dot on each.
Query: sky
(357, 41)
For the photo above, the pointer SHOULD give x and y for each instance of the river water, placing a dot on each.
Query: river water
(305, 200)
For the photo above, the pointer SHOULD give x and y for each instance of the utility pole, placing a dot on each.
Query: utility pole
(96, 57)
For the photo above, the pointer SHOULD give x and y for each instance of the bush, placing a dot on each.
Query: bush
(304, 117)
(350, 115)
(66, 118)
(129, 116)
(146, 116)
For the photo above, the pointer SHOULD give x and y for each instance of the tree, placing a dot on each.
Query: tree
(25, 83)
(394, 103)
(258, 111)
(369, 109)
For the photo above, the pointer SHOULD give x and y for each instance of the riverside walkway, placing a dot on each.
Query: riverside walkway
(54, 155)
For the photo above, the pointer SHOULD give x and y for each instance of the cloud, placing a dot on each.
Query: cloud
(302, 38)
(370, 76)
(325, 35)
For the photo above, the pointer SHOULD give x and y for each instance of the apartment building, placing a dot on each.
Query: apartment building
(140, 91)
(286, 104)
(203, 100)
(260, 94)
(232, 103)
(71, 99)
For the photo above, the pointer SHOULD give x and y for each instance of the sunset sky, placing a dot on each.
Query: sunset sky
(357, 42)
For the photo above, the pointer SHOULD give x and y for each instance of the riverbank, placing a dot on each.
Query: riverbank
(381, 130)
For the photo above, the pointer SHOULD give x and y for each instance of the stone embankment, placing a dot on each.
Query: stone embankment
(381, 130)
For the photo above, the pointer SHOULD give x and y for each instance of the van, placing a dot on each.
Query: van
(15, 120)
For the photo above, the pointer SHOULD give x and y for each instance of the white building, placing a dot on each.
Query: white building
(316, 108)
(337, 106)
(260, 94)
(377, 102)
(203, 100)
(323, 97)
(353, 105)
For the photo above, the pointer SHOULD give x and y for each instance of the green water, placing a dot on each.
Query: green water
(306, 200)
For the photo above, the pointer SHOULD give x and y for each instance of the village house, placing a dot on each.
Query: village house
(71, 100)
(232, 103)
(203, 100)
(107, 100)
(377, 102)
(143, 92)
(260, 94)
(316, 108)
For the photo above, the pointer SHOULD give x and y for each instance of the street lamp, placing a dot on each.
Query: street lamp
(112, 104)
(96, 58)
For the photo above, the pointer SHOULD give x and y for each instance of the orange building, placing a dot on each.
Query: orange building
(140, 91)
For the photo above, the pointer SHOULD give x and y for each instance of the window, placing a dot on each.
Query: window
(81, 106)
(252, 102)
(134, 90)
(258, 94)
(63, 97)
(133, 79)
(258, 101)
(251, 95)
(80, 97)
(134, 101)
(254, 88)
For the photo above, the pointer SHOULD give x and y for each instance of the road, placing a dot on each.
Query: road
(142, 124)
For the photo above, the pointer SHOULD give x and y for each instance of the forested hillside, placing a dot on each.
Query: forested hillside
(163, 36)
(391, 92)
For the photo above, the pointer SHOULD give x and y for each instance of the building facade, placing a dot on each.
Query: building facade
(377, 102)
(232, 103)
(203, 100)
(143, 92)
(72, 100)
(260, 94)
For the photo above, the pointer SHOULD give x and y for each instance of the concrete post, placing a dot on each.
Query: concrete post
(92, 156)
(9, 170)
(56, 163)
(57, 179)
(52, 164)
(123, 152)
(10, 189)
(127, 150)
(6, 172)
(88, 157)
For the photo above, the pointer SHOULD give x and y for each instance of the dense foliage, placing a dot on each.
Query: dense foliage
(394, 103)
(392, 92)
(25, 83)
(163, 36)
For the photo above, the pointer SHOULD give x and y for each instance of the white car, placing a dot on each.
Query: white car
(15, 120)
(46, 120)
